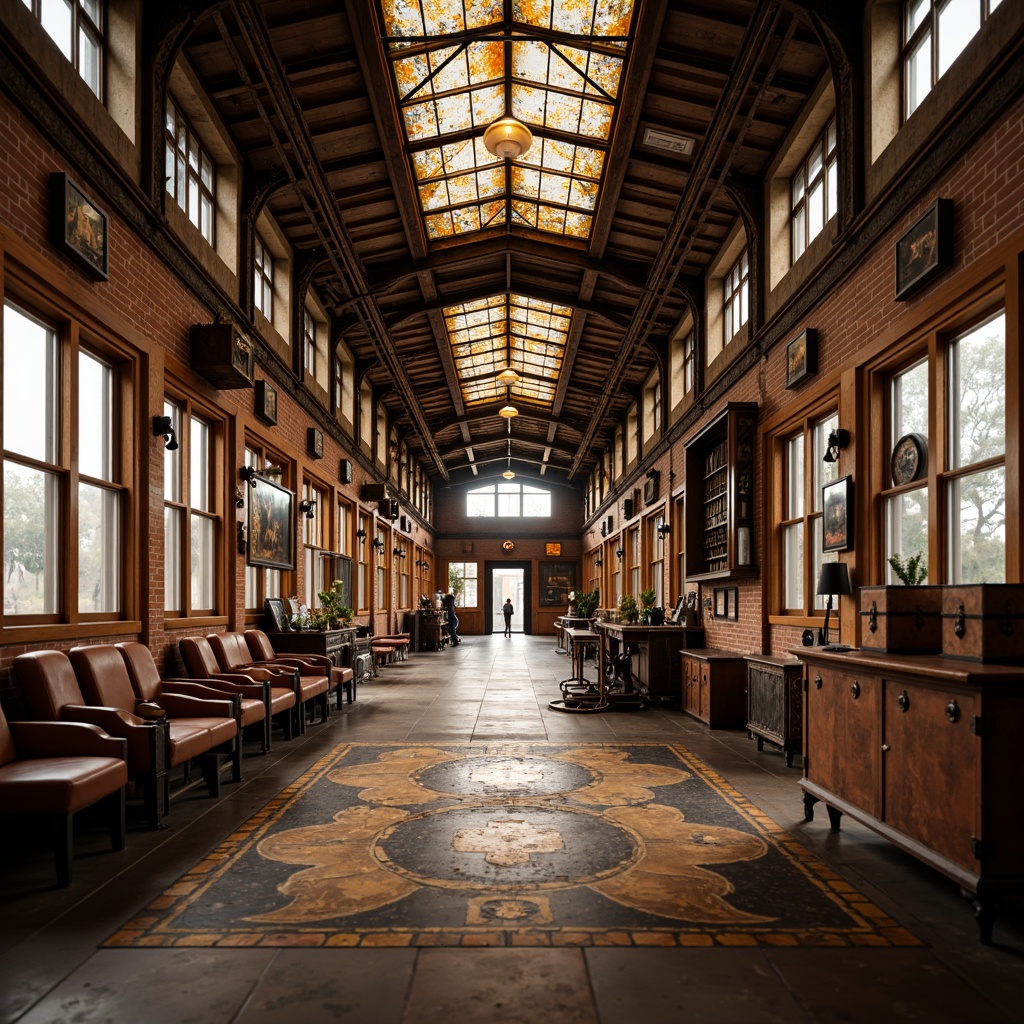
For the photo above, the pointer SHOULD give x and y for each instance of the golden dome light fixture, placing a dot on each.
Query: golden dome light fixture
(509, 474)
(508, 410)
(508, 138)
(508, 377)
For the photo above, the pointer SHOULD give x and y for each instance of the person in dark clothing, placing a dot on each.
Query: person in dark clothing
(507, 610)
(453, 620)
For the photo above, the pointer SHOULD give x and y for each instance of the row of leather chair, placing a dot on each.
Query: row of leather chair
(106, 718)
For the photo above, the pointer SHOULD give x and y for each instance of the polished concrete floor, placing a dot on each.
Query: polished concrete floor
(51, 968)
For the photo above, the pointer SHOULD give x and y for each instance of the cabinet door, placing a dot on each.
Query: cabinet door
(691, 686)
(704, 700)
(932, 768)
(844, 736)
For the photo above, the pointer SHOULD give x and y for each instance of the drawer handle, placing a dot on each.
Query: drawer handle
(885, 748)
(953, 710)
(873, 618)
(903, 701)
(855, 690)
(959, 623)
(817, 681)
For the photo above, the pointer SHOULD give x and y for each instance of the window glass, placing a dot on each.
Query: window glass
(508, 499)
(464, 573)
(95, 417)
(77, 30)
(959, 21)
(31, 424)
(263, 278)
(99, 584)
(735, 295)
(189, 172)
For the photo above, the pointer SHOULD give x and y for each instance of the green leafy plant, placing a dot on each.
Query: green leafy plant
(456, 582)
(332, 610)
(911, 573)
(628, 608)
(647, 598)
(586, 604)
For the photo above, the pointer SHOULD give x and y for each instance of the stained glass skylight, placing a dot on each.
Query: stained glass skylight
(459, 65)
(507, 330)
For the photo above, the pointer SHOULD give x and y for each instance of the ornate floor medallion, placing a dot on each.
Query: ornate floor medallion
(510, 844)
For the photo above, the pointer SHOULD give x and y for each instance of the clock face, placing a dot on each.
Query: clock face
(508, 545)
(909, 459)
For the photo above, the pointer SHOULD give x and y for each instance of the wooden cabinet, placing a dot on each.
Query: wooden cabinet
(924, 750)
(654, 657)
(720, 496)
(714, 686)
(775, 707)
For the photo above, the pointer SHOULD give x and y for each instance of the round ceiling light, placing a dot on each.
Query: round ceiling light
(508, 137)
(508, 411)
(508, 376)
(508, 474)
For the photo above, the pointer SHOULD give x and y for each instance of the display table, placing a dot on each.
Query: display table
(564, 622)
(579, 693)
(925, 751)
(654, 655)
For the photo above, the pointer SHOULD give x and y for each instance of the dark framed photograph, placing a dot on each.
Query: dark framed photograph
(556, 580)
(277, 615)
(802, 357)
(315, 442)
(271, 526)
(721, 605)
(78, 227)
(266, 402)
(837, 515)
(926, 249)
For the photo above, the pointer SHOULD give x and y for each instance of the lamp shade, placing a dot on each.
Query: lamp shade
(834, 579)
(508, 137)
(508, 411)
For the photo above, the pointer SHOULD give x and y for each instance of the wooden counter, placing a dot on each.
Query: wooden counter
(655, 655)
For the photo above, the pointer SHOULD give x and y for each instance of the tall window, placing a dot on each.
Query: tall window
(313, 541)
(362, 581)
(383, 568)
(467, 573)
(309, 344)
(635, 563)
(190, 172)
(404, 573)
(656, 542)
(689, 363)
(76, 26)
(934, 35)
(815, 190)
(191, 519)
(50, 490)
(804, 473)
(263, 278)
(735, 295)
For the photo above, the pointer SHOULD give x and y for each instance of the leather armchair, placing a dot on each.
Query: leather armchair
(232, 654)
(278, 696)
(53, 769)
(262, 650)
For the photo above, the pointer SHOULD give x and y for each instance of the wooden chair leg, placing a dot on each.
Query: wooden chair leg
(63, 842)
(236, 758)
(116, 818)
(211, 774)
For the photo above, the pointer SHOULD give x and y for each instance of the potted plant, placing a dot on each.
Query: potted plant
(332, 613)
(586, 604)
(646, 604)
(904, 617)
(628, 608)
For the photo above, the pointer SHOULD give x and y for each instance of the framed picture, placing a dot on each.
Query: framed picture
(678, 615)
(552, 550)
(926, 249)
(271, 526)
(802, 357)
(721, 606)
(837, 515)
(315, 442)
(77, 227)
(556, 580)
(277, 615)
(266, 402)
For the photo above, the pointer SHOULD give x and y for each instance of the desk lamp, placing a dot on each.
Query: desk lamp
(834, 579)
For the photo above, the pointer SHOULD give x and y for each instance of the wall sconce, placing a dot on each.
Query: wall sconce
(248, 474)
(598, 562)
(398, 553)
(163, 427)
(378, 544)
(308, 506)
(664, 528)
(619, 552)
(360, 535)
(837, 441)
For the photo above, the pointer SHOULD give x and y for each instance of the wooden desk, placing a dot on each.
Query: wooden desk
(579, 693)
(654, 665)
(925, 751)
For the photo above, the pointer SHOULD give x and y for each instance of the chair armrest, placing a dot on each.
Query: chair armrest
(115, 721)
(179, 705)
(196, 688)
(236, 682)
(306, 667)
(61, 739)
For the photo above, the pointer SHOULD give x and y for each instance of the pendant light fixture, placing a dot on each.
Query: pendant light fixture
(509, 474)
(508, 410)
(508, 138)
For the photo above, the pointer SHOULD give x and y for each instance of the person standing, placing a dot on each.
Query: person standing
(453, 620)
(508, 611)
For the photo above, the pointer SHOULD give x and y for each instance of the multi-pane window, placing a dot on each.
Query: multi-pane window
(689, 363)
(804, 474)
(313, 540)
(190, 172)
(656, 541)
(814, 190)
(50, 489)
(735, 295)
(362, 581)
(263, 278)
(383, 568)
(467, 573)
(934, 35)
(635, 564)
(309, 344)
(76, 26)
(404, 573)
(191, 519)
(508, 499)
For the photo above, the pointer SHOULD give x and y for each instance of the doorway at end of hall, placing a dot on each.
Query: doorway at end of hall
(507, 582)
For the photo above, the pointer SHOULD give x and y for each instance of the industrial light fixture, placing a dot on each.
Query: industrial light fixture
(378, 544)
(508, 138)
(508, 411)
(248, 474)
(619, 552)
(508, 377)
(308, 506)
(598, 562)
(509, 474)
(360, 535)
(663, 528)
(837, 440)
(398, 552)
(163, 426)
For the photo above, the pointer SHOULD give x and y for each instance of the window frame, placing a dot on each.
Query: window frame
(263, 278)
(173, 154)
(827, 173)
(81, 21)
(736, 293)
(260, 581)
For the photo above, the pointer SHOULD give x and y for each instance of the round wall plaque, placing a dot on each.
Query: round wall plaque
(909, 459)
(508, 545)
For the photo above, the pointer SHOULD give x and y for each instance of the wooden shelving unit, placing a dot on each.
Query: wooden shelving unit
(720, 496)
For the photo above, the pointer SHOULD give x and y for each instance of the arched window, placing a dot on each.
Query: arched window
(507, 500)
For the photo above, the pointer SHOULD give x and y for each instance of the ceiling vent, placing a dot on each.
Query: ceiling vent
(681, 145)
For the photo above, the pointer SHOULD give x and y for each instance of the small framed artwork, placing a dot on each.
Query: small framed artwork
(802, 357)
(345, 471)
(553, 550)
(315, 442)
(271, 526)
(556, 580)
(721, 605)
(925, 249)
(266, 402)
(837, 515)
(78, 228)
(277, 615)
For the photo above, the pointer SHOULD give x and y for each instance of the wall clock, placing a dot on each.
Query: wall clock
(909, 459)
(508, 545)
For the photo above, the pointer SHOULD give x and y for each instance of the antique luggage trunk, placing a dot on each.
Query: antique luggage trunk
(904, 620)
(984, 622)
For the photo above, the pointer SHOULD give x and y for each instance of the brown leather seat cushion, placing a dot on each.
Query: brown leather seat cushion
(58, 785)
(186, 740)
